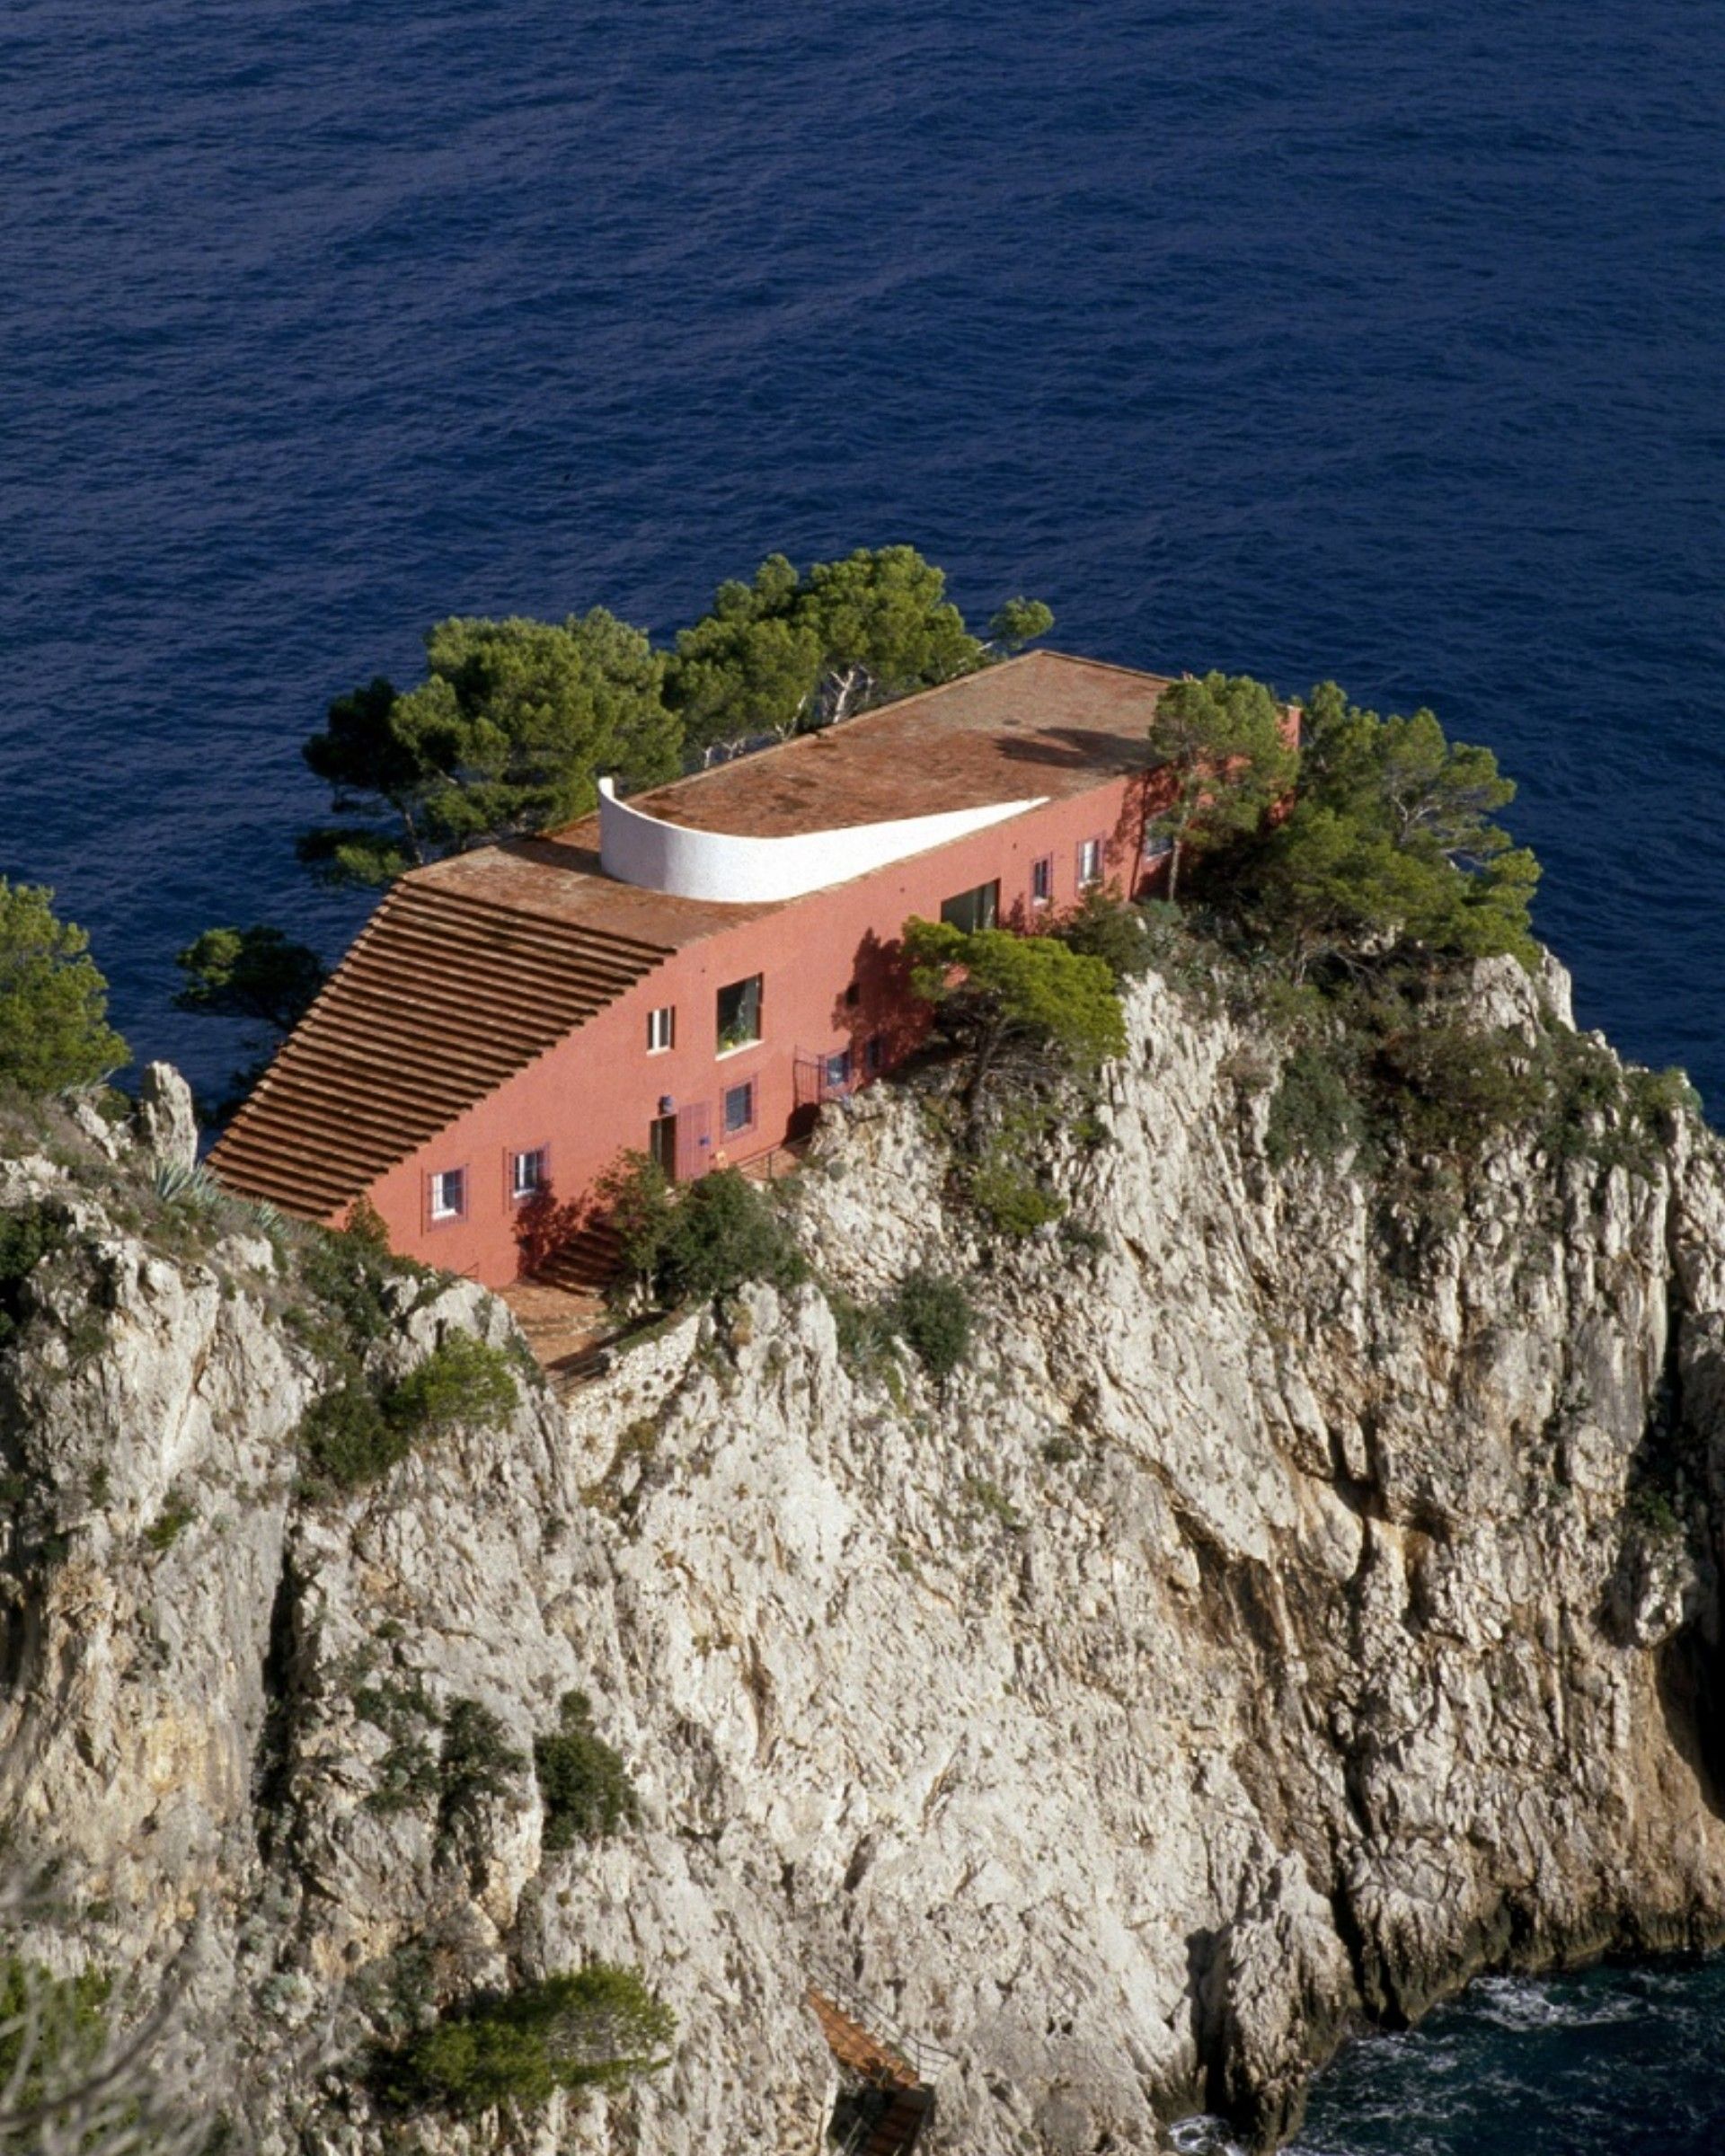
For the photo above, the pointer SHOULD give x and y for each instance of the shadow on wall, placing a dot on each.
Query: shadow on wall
(877, 1005)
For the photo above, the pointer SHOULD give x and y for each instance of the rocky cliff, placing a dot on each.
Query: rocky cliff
(1294, 1605)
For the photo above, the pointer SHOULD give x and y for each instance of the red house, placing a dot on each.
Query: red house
(691, 971)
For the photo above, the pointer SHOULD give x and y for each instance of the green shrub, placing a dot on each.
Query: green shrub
(722, 1231)
(1079, 1235)
(1104, 926)
(165, 1529)
(691, 1243)
(356, 1433)
(26, 1238)
(1652, 1512)
(349, 1273)
(1600, 1111)
(367, 1228)
(583, 1782)
(865, 1332)
(475, 1765)
(1027, 1003)
(1446, 1088)
(345, 1439)
(994, 1501)
(1312, 1112)
(70, 2024)
(1009, 1199)
(935, 1318)
(407, 1774)
(462, 1383)
(1657, 1093)
(600, 2025)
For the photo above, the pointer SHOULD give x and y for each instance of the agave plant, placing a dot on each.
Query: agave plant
(195, 1187)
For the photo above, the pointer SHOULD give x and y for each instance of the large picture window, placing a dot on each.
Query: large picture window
(740, 1014)
(972, 910)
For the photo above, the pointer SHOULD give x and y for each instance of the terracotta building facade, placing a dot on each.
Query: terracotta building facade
(691, 973)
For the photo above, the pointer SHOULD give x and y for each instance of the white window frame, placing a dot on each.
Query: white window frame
(519, 1192)
(441, 1210)
(1043, 870)
(661, 1030)
(1089, 852)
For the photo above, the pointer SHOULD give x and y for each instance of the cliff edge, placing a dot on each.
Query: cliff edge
(1303, 1598)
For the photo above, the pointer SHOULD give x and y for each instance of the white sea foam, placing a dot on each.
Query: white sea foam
(1203, 2135)
(1518, 2002)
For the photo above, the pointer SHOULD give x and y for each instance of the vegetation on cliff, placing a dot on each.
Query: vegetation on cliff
(597, 2026)
(54, 1030)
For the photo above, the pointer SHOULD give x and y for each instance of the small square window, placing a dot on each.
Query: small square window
(838, 1070)
(740, 1014)
(739, 1107)
(529, 1173)
(1042, 881)
(1157, 847)
(1089, 863)
(449, 1194)
(662, 1029)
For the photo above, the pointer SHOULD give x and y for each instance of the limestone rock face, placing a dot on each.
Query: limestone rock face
(165, 1119)
(1275, 1623)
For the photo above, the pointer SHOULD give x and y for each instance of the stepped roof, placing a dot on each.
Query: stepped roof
(474, 967)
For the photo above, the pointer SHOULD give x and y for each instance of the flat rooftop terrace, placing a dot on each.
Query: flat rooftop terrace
(1043, 724)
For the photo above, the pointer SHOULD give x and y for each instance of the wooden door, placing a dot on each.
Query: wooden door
(693, 1140)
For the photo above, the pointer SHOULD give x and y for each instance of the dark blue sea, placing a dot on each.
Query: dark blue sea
(1613, 2061)
(1374, 339)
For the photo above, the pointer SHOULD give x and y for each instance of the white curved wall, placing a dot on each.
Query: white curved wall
(637, 848)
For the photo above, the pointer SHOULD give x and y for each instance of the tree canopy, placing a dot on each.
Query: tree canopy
(994, 991)
(509, 733)
(1393, 843)
(257, 974)
(1223, 758)
(517, 719)
(789, 651)
(54, 1030)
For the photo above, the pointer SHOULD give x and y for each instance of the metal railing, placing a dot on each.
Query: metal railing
(927, 2061)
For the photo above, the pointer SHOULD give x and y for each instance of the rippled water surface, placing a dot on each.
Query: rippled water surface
(1376, 339)
(1380, 340)
(1611, 2062)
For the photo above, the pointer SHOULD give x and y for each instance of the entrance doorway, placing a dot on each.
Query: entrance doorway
(661, 1143)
